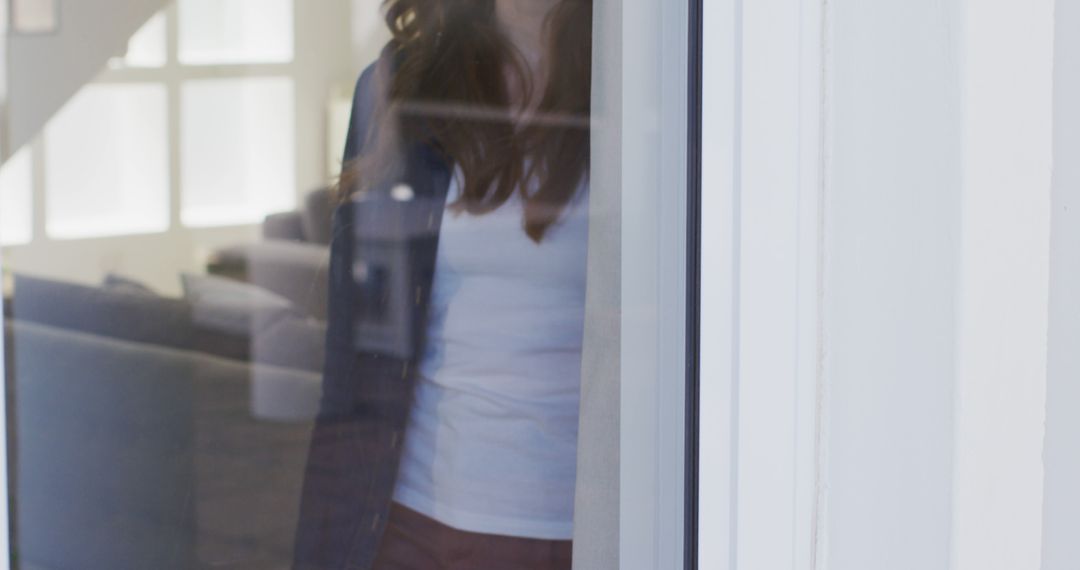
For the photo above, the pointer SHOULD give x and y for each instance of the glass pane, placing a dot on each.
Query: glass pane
(236, 31)
(221, 356)
(238, 150)
(16, 202)
(106, 163)
(147, 47)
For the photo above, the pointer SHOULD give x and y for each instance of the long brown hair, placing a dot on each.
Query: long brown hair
(449, 89)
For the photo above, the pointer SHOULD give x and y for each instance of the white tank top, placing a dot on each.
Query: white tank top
(492, 439)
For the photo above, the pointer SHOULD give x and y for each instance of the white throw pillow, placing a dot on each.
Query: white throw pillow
(233, 306)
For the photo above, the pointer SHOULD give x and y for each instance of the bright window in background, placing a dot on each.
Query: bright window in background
(214, 32)
(106, 154)
(147, 47)
(106, 159)
(237, 150)
(16, 199)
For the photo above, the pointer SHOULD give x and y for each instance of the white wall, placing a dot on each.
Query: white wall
(936, 272)
(4, 151)
(324, 66)
(369, 31)
(892, 249)
(1003, 289)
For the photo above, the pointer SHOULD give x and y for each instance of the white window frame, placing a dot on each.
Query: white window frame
(640, 188)
(761, 235)
(762, 171)
(653, 286)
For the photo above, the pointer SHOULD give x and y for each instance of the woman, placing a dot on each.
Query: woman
(447, 431)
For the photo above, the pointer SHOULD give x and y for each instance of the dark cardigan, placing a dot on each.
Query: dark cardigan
(367, 389)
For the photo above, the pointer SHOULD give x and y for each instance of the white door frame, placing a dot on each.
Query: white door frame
(762, 188)
(769, 155)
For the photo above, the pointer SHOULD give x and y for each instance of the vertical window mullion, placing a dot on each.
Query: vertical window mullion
(173, 79)
(37, 185)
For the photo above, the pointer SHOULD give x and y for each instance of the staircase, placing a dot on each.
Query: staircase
(39, 72)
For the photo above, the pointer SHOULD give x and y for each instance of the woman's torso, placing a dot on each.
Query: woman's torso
(491, 442)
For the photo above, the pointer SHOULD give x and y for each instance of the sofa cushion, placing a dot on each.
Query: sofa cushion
(113, 313)
(295, 271)
(116, 282)
(232, 306)
(121, 313)
(288, 226)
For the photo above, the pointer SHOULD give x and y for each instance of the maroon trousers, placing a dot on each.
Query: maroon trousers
(416, 542)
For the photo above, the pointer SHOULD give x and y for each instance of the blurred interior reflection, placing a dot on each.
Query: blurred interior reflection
(165, 246)
(228, 347)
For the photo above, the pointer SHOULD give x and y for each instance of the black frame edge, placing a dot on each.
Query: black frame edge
(693, 281)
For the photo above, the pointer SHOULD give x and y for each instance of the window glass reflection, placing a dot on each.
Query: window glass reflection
(106, 157)
(221, 355)
(237, 150)
(16, 199)
(464, 220)
(147, 48)
(165, 330)
(235, 31)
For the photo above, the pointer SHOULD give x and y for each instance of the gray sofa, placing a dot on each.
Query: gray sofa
(140, 438)
(292, 257)
(310, 223)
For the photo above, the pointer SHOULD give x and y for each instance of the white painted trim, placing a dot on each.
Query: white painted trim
(768, 293)
(719, 235)
(761, 283)
(809, 385)
(780, 197)
(1003, 292)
